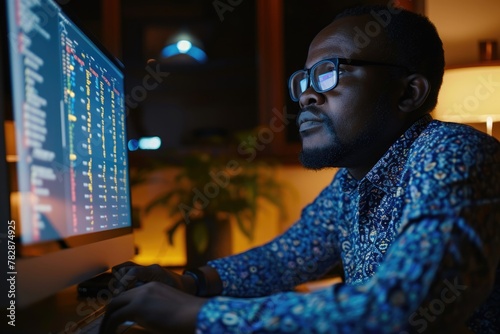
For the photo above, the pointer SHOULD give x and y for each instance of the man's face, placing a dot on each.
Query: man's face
(351, 124)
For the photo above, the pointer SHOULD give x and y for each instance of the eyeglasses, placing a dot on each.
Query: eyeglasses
(323, 76)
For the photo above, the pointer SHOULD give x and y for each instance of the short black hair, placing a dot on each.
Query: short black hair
(415, 40)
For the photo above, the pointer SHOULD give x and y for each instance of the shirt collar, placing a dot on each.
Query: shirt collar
(387, 171)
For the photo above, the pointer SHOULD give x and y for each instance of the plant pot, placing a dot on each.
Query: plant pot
(207, 238)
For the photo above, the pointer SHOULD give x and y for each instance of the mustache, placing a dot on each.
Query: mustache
(313, 109)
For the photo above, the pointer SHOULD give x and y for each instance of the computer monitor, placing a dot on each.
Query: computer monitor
(67, 195)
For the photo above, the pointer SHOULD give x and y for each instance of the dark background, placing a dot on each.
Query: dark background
(205, 103)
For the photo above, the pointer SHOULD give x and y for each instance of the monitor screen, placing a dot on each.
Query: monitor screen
(69, 188)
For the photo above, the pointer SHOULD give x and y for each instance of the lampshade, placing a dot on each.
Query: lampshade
(470, 95)
(187, 45)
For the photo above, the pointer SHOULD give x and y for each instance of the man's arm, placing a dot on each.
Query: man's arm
(435, 274)
(306, 251)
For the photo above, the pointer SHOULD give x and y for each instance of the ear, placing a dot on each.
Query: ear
(417, 88)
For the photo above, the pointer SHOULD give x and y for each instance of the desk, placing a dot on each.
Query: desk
(60, 312)
(53, 314)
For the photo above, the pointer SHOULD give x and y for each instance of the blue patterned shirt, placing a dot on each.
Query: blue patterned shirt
(418, 238)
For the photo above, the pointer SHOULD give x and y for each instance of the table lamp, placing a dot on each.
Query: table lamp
(471, 94)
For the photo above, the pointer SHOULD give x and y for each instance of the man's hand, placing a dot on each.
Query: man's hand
(157, 307)
(135, 275)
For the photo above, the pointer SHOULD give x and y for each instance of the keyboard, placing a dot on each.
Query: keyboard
(92, 323)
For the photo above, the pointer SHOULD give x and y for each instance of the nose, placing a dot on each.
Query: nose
(311, 97)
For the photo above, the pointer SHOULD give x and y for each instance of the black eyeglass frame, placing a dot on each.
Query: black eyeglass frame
(336, 61)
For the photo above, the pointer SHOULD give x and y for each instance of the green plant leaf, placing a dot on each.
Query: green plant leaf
(200, 236)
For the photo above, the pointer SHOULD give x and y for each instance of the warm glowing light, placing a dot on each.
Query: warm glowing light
(10, 141)
(470, 95)
(489, 125)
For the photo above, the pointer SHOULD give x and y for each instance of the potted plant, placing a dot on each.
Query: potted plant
(207, 192)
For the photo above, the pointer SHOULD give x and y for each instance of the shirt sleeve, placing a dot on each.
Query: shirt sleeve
(306, 251)
(434, 274)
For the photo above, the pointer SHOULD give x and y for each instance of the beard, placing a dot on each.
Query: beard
(338, 153)
(327, 156)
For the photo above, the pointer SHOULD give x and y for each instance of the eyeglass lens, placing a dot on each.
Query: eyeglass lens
(323, 78)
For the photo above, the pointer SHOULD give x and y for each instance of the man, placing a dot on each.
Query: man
(413, 214)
